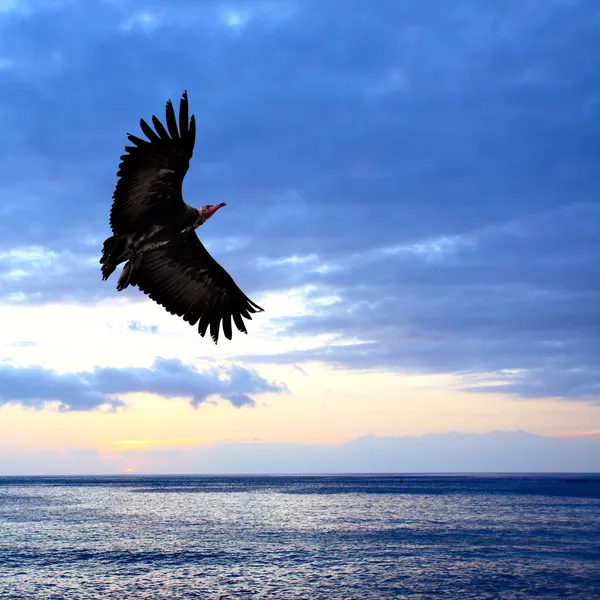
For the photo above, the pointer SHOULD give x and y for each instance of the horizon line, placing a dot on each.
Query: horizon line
(320, 474)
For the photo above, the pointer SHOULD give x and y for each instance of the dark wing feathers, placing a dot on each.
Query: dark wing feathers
(186, 280)
(172, 121)
(151, 174)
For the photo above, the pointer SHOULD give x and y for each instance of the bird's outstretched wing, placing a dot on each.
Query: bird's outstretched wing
(184, 278)
(151, 173)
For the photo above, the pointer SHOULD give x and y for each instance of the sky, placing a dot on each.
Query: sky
(413, 196)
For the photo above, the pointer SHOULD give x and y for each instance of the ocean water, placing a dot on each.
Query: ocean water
(471, 537)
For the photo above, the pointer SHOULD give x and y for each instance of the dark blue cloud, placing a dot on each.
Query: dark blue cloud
(438, 162)
(518, 302)
(415, 110)
(34, 386)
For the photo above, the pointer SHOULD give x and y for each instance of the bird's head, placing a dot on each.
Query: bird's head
(208, 210)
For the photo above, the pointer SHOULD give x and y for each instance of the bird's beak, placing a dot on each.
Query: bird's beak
(211, 210)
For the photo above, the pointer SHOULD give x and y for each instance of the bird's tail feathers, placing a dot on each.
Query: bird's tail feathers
(126, 275)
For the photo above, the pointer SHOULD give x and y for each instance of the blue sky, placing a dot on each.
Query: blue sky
(413, 191)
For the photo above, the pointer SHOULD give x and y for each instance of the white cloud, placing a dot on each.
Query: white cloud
(78, 337)
(10, 6)
(143, 20)
(235, 18)
(27, 7)
(431, 249)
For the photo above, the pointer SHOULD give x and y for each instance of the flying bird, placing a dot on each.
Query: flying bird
(155, 231)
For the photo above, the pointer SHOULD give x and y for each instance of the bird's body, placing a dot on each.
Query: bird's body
(154, 232)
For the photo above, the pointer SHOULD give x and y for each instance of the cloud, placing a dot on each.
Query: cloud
(520, 296)
(35, 386)
(406, 151)
(9, 6)
(583, 384)
(498, 451)
(429, 168)
(145, 21)
(140, 327)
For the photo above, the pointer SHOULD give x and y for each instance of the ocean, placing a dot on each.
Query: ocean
(310, 537)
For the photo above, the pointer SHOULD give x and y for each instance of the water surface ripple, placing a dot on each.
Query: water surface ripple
(300, 537)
